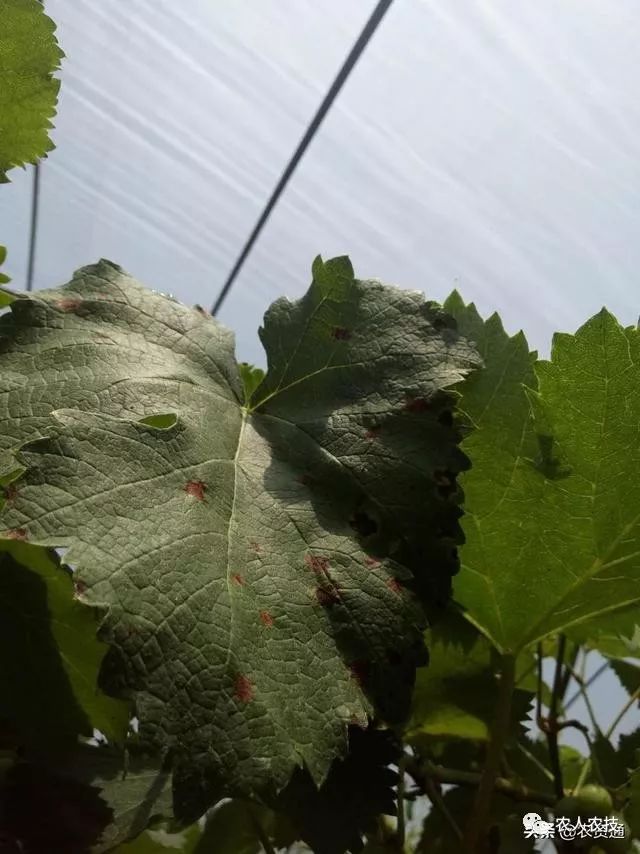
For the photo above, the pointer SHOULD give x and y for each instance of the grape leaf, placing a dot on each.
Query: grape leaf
(256, 563)
(456, 695)
(358, 789)
(628, 673)
(45, 631)
(553, 499)
(29, 55)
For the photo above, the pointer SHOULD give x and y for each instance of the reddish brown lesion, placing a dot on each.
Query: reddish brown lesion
(238, 579)
(266, 619)
(256, 548)
(416, 404)
(373, 432)
(371, 562)
(16, 534)
(196, 488)
(305, 479)
(10, 492)
(394, 585)
(243, 689)
(79, 587)
(68, 303)
(327, 596)
(316, 562)
(340, 333)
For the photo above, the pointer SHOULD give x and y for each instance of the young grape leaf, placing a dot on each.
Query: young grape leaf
(45, 631)
(255, 563)
(456, 695)
(29, 55)
(553, 498)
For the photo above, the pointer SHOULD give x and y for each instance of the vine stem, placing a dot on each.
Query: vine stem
(551, 724)
(482, 805)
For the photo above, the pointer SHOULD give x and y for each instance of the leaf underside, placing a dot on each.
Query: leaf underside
(263, 569)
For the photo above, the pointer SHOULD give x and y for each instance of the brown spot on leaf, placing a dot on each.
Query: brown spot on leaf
(10, 491)
(243, 689)
(196, 488)
(417, 404)
(68, 303)
(316, 562)
(327, 597)
(373, 432)
(16, 534)
(256, 547)
(305, 479)
(266, 619)
(79, 587)
(371, 562)
(341, 334)
(394, 585)
(239, 580)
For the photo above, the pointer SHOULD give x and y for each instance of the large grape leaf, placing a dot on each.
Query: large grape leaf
(255, 562)
(44, 631)
(553, 499)
(29, 56)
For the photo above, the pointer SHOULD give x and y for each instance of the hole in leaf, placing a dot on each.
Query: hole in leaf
(162, 421)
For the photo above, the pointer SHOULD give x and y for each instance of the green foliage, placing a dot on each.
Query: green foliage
(29, 56)
(551, 526)
(267, 556)
(257, 577)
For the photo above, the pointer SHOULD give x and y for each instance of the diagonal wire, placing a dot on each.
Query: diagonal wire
(354, 54)
(33, 231)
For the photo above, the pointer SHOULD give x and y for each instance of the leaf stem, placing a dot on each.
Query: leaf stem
(452, 776)
(480, 813)
(550, 725)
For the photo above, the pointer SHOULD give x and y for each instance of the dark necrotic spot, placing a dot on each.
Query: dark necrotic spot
(341, 334)
(316, 562)
(327, 596)
(239, 580)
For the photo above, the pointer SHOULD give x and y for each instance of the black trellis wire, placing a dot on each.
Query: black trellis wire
(354, 54)
(33, 231)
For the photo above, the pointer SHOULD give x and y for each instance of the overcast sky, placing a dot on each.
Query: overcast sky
(489, 146)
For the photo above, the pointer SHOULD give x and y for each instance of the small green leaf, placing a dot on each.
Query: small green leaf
(628, 674)
(44, 630)
(251, 378)
(29, 55)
